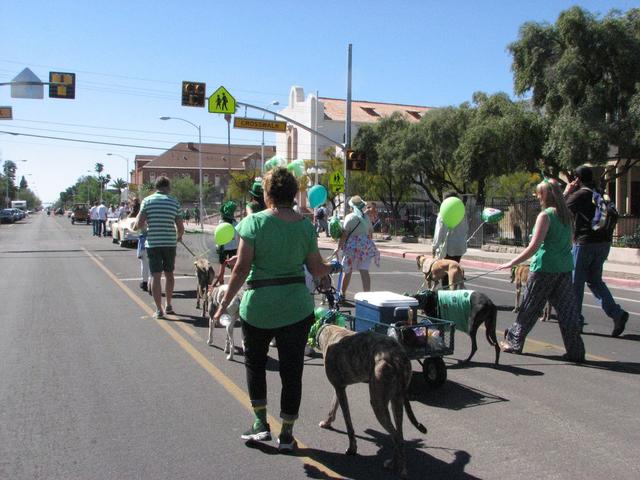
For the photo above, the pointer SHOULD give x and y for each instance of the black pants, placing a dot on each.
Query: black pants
(290, 341)
(445, 279)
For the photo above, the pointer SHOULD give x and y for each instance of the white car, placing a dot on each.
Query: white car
(123, 232)
(109, 225)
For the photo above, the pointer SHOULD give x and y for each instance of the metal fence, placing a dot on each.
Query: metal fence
(419, 219)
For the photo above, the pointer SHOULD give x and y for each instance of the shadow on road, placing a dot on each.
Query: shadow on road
(370, 467)
(451, 396)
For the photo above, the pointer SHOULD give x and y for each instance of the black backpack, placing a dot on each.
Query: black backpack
(320, 213)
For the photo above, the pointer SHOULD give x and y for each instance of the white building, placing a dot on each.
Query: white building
(327, 116)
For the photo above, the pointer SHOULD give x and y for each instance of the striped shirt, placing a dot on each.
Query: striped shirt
(161, 211)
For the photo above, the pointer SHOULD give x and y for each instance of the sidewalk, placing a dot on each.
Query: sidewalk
(615, 273)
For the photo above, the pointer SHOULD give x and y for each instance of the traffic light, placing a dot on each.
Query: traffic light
(193, 94)
(62, 85)
(356, 161)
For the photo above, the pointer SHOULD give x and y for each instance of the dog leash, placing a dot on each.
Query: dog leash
(471, 278)
(191, 252)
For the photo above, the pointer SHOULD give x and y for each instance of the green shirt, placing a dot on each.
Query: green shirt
(161, 211)
(280, 250)
(554, 254)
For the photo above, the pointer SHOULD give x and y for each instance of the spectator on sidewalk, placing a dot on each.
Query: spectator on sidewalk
(372, 213)
(550, 277)
(357, 245)
(187, 215)
(591, 249)
(450, 244)
(162, 215)
(320, 220)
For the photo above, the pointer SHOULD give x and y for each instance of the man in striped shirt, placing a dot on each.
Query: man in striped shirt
(162, 214)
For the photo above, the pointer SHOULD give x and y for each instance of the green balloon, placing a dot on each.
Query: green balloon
(224, 233)
(452, 212)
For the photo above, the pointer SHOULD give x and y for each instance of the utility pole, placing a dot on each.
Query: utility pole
(347, 130)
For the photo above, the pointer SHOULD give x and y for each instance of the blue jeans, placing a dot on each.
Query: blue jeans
(95, 224)
(588, 260)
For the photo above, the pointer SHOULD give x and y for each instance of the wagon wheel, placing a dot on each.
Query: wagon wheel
(434, 371)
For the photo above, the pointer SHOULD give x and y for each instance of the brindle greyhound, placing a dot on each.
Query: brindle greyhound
(381, 362)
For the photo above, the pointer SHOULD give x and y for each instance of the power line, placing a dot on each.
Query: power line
(95, 142)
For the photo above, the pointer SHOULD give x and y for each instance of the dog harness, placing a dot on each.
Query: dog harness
(455, 306)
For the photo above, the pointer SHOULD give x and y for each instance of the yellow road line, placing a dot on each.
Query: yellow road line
(204, 362)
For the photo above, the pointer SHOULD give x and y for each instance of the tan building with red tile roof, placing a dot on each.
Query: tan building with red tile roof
(327, 115)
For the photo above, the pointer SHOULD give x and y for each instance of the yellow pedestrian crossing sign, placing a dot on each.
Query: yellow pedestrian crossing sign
(221, 101)
(336, 181)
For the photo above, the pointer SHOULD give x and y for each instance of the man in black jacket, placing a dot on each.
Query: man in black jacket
(591, 249)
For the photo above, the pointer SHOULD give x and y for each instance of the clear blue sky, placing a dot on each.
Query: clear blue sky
(130, 58)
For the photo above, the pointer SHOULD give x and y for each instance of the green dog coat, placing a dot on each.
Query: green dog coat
(455, 306)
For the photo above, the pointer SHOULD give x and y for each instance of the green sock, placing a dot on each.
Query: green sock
(287, 427)
(260, 414)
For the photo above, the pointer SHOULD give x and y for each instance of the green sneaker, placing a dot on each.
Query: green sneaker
(259, 432)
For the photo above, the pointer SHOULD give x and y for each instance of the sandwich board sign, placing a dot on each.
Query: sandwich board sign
(221, 101)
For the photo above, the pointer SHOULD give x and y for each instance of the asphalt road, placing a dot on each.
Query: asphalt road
(92, 387)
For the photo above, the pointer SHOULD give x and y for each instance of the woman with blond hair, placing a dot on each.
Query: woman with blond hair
(550, 275)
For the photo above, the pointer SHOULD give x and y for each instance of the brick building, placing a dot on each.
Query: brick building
(218, 161)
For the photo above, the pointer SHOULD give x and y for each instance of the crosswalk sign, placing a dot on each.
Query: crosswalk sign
(221, 101)
(336, 181)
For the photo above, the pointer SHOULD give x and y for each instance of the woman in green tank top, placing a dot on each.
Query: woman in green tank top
(550, 278)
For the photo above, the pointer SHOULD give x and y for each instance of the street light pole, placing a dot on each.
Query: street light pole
(126, 177)
(200, 201)
(274, 102)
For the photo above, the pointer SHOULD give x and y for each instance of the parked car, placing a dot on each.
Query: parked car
(122, 232)
(80, 214)
(109, 224)
(17, 213)
(7, 216)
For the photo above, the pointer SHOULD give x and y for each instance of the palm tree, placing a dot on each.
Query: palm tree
(120, 185)
(100, 168)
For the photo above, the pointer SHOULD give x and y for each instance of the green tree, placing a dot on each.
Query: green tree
(9, 169)
(119, 184)
(184, 189)
(502, 135)
(430, 149)
(383, 144)
(583, 72)
(23, 183)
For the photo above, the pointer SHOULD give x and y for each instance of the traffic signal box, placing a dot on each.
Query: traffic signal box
(356, 161)
(193, 94)
(62, 85)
